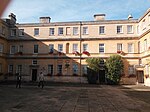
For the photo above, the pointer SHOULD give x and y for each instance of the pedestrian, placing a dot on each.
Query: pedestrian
(41, 80)
(18, 84)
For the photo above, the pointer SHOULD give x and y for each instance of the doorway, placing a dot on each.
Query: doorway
(102, 76)
(140, 77)
(34, 74)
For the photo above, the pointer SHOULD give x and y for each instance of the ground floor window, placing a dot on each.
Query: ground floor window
(19, 69)
(50, 69)
(0, 68)
(75, 69)
(10, 68)
(84, 68)
(59, 69)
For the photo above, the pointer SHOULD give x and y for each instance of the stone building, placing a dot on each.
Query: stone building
(61, 48)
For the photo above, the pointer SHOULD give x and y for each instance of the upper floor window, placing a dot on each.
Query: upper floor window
(75, 30)
(1, 47)
(21, 32)
(85, 30)
(36, 31)
(119, 29)
(10, 68)
(51, 48)
(75, 47)
(13, 49)
(138, 29)
(129, 29)
(20, 48)
(119, 47)
(13, 32)
(68, 32)
(101, 29)
(85, 47)
(3, 30)
(51, 31)
(130, 48)
(60, 47)
(145, 44)
(60, 31)
(101, 48)
(36, 48)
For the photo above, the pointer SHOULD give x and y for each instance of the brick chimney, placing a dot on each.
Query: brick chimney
(99, 17)
(45, 19)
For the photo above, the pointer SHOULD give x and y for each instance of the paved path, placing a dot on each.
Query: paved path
(70, 99)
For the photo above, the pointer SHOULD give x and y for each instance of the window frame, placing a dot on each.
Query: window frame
(60, 31)
(36, 50)
(129, 27)
(101, 29)
(119, 29)
(101, 47)
(51, 31)
(36, 31)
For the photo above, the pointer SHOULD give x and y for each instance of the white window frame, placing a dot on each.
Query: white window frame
(68, 31)
(85, 47)
(75, 30)
(60, 47)
(36, 31)
(102, 47)
(129, 28)
(75, 47)
(51, 31)
(101, 29)
(21, 32)
(132, 49)
(60, 31)
(119, 46)
(85, 30)
(15, 49)
(119, 29)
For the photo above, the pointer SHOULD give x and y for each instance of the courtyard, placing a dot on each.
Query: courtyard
(74, 98)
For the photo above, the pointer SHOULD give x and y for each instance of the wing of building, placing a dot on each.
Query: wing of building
(61, 48)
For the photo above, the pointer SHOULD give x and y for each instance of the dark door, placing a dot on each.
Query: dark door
(34, 74)
(140, 76)
(102, 76)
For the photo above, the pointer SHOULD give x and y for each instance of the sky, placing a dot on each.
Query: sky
(29, 11)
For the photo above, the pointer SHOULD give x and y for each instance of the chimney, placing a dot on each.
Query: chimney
(99, 17)
(45, 19)
(12, 18)
(130, 17)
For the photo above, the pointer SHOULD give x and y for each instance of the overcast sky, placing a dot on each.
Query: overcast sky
(29, 11)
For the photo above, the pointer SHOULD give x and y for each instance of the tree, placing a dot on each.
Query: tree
(93, 69)
(114, 65)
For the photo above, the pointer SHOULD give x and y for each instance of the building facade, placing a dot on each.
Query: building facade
(61, 48)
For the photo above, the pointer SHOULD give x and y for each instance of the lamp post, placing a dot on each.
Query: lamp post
(80, 48)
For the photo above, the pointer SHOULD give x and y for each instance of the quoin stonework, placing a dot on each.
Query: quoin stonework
(60, 49)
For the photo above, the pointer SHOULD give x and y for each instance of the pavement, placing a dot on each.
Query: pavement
(61, 97)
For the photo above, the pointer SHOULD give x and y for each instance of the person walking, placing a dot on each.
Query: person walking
(41, 80)
(18, 84)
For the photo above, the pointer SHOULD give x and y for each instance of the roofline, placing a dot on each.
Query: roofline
(144, 14)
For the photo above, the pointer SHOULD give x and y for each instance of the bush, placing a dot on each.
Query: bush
(114, 65)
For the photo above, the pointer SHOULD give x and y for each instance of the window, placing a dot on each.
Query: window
(84, 69)
(119, 47)
(13, 32)
(21, 32)
(85, 47)
(129, 29)
(10, 68)
(68, 32)
(145, 44)
(85, 30)
(75, 30)
(75, 47)
(130, 48)
(51, 31)
(59, 69)
(101, 29)
(1, 47)
(50, 69)
(75, 69)
(3, 30)
(51, 48)
(60, 31)
(0, 68)
(36, 48)
(60, 47)
(138, 29)
(19, 69)
(36, 31)
(20, 48)
(131, 70)
(101, 48)
(34, 62)
(13, 49)
(119, 29)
